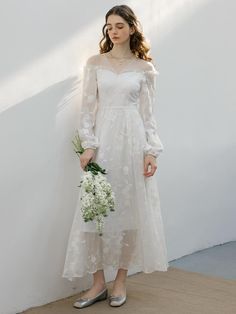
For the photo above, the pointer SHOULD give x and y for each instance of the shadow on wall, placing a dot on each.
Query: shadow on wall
(29, 131)
(38, 186)
(34, 158)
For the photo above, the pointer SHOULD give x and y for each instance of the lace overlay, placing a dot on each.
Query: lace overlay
(117, 120)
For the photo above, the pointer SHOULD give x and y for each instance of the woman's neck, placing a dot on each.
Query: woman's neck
(122, 50)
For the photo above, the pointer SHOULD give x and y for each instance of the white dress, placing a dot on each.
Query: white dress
(117, 120)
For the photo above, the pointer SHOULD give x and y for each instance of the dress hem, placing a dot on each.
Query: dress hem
(145, 271)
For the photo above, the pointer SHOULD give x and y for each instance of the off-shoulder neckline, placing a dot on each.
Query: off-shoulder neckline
(98, 66)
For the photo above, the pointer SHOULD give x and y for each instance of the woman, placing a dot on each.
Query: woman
(119, 132)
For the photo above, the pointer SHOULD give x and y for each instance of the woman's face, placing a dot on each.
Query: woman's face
(118, 29)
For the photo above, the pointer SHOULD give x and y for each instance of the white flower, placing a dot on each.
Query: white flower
(97, 198)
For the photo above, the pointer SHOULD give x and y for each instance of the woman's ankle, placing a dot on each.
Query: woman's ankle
(100, 285)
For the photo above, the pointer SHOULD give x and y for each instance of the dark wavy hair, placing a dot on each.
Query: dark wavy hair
(138, 44)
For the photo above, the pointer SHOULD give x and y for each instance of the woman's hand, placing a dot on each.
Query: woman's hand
(149, 162)
(85, 158)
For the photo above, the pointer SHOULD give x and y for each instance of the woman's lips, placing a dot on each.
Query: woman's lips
(115, 37)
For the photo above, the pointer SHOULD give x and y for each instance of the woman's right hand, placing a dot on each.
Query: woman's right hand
(86, 156)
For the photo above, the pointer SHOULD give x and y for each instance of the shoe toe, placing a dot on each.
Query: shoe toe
(117, 300)
(80, 303)
(84, 302)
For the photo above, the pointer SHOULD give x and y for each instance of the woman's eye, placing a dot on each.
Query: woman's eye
(109, 29)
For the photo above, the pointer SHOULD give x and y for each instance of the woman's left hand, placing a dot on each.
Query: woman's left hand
(149, 162)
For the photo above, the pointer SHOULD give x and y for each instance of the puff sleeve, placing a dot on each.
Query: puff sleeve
(88, 109)
(153, 145)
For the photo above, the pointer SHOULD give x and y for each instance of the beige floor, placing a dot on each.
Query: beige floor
(173, 292)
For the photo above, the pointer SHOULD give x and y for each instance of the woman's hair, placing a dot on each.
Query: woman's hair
(138, 45)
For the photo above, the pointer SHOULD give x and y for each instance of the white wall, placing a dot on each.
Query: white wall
(43, 47)
(197, 120)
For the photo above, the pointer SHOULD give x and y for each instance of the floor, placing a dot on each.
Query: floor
(200, 283)
(218, 261)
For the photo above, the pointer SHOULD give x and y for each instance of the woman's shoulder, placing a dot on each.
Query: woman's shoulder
(94, 60)
(148, 66)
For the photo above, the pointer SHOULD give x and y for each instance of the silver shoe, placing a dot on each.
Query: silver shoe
(84, 302)
(117, 300)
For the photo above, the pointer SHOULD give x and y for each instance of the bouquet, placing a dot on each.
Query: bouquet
(97, 197)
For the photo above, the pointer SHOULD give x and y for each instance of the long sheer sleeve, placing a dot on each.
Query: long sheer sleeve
(87, 116)
(153, 145)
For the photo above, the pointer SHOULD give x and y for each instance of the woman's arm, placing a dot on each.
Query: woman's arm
(154, 145)
(88, 107)
(87, 117)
